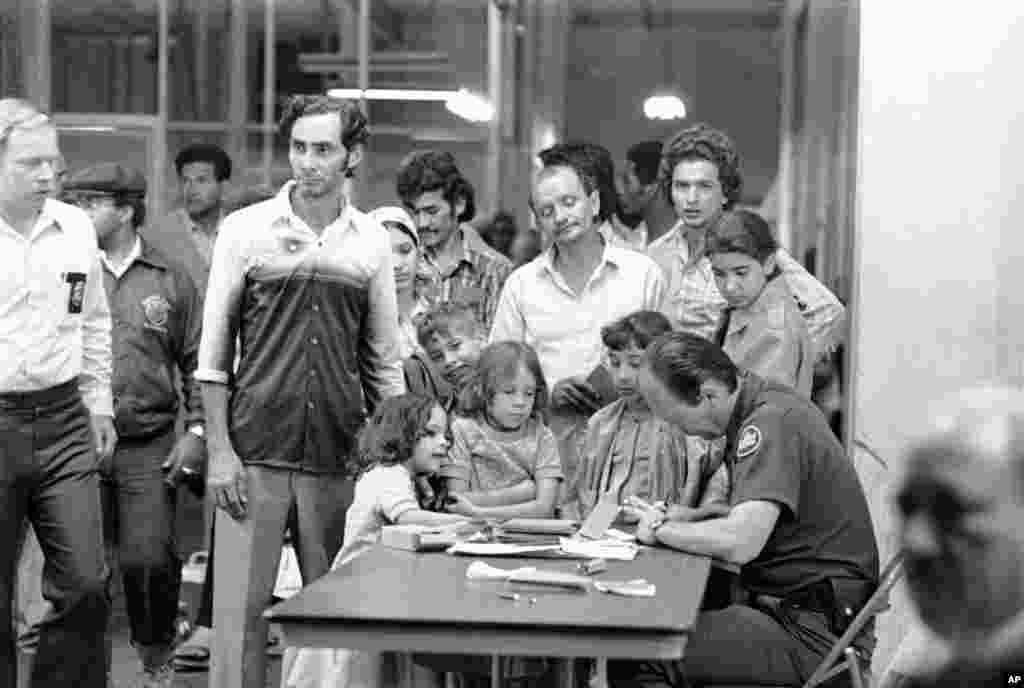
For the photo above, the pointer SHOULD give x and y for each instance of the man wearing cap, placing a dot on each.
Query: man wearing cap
(56, 417)
(156, 313)
(306, 281)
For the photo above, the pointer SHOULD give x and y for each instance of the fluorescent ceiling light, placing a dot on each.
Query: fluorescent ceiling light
(470, 106)
(664, 106)
(466, 104)
(422, 95)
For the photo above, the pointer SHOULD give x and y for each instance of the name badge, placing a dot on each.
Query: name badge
(76, 292)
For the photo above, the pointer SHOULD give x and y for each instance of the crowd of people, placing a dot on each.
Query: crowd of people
(317, 372)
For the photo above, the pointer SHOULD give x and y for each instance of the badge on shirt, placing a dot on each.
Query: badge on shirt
(76, 294)
(749, 442)
(156, 309)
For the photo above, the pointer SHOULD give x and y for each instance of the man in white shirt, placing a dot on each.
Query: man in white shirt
(558, 302)
(56, 413)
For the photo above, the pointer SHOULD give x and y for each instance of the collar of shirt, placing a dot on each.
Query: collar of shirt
(547, 264)
(193, 226)
(774, 293)
(284, 212)
(47, 218)
(469, 244)
(119, 269)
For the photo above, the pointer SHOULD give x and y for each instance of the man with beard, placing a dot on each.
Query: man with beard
(305, 281)
(961, 506)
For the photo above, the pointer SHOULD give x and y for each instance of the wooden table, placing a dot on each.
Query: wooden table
(393, 600)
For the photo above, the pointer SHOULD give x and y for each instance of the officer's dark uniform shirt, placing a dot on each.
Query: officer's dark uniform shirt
(156, 311)
(780, 449)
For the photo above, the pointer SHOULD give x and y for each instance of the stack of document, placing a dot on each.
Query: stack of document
(605, 548)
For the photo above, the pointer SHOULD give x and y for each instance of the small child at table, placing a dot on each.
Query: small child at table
(504, 460)
(628, 453)
(407, 437)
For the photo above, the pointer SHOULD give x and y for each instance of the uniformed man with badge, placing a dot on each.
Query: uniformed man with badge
(157, 313)
(798, 526)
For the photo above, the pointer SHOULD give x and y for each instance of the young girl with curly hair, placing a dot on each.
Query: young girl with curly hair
(406, 439)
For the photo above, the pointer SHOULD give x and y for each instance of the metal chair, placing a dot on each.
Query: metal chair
(843, 656)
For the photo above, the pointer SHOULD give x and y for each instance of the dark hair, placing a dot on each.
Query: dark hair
(444, 317)
(430, 170)
(137, 202)
(637, 329)
(683, 362)
(702, 142)
(500, 231)
(646, 159)
(499, 362)
(390, 436)
(594, 166)
(355, 130)
(742, 231)
(205, 152)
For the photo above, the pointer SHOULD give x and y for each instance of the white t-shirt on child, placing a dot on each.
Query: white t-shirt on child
(382, 495)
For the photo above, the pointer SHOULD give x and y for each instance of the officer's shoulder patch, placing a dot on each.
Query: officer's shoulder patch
(749, 442)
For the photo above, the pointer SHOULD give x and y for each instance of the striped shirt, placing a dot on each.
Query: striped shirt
(317, 322)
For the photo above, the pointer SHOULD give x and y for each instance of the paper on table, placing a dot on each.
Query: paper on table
(607, 548)
(480, 570)
(497, 549)
(634, 588)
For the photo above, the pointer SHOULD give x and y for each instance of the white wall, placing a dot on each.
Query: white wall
(939, 290)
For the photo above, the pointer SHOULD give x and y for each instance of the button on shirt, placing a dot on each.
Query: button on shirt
(156, 310)
(317, 322)
(538, 307)
(694, 304)
(43, 341)
(476, 279)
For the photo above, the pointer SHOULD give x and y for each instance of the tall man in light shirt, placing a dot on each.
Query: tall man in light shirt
(306, 281)
(56, 415)
(558, 302)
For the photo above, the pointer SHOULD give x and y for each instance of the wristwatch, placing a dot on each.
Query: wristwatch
(198, 430)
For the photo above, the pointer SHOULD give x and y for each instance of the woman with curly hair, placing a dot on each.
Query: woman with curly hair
(406, 439)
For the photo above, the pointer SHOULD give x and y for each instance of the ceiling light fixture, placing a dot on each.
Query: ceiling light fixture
(464, 103)
(470, 106)
(407, 94)
(665, 103)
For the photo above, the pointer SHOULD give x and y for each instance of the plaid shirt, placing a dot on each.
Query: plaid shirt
(477, 278)
(694, 304)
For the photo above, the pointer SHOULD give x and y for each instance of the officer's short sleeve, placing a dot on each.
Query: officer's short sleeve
(767, 461)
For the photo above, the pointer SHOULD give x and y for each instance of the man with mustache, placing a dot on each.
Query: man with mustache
(306, 282)
(441, 201)
(961, 506)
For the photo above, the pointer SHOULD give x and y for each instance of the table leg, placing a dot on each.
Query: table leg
(495, 671)
(569, 672)
(600, 676)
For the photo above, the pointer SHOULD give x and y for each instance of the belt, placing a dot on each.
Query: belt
(39, 397)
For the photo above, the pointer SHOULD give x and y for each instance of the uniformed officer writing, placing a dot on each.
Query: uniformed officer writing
(798, 526)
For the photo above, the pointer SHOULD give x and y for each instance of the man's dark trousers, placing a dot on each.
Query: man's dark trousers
(48, 473)
(139, 509)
